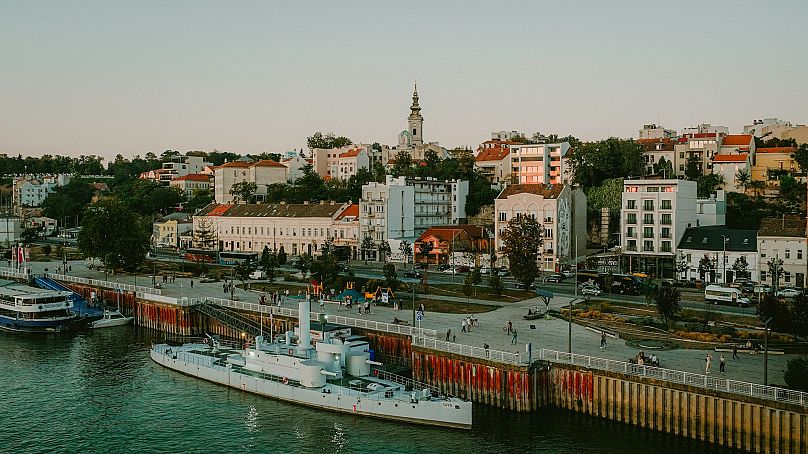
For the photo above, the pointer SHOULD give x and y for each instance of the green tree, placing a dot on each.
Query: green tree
(46, 250)
(367, 246)
(112, 231)
(325, 268)
(425, 248)
(303, 263)
(30, 234)
(796, 375)
(771, 307)
(799, 315)
(406, 250)
(390, 276)
(244, 191)
(740, 267)
(472, 280)
(495, 284)
(243, 270)
(693, 168)
(707, 184)
(199, 199)
(269, 264)
(523, 240)
(682, 265)
(667, 303)
(403, 165)
(204, 234)
(594, 162)
(281, 256)
(68, 202)
(320, 140)
(742, 179)
(664, 168)
(801, 157)
(384, 250)
(775, 266)
(706, 268)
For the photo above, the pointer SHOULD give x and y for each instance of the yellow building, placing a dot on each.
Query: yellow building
(771, 163)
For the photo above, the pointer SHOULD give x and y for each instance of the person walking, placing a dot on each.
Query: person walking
(721, 363)
(463, 326)
(513, 339)
(448, 332)
(735, 351)
(707, 360)
(602, 340)
(509, 327)
(192, 283)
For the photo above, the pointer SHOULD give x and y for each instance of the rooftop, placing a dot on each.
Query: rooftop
(790, 226)
(268, 163)
(788, 150)
(711, 238)
(277, 210)
(449, 232)
(548, 191)
(737, 139)
(351, 153)
(492, 154)
(193, 177)
(741, 157)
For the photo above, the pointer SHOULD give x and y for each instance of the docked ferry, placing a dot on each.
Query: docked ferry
(35, 310)
(331, 375)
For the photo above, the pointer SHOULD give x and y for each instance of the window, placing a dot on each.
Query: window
(665, 246)
(631, 218)
(800, 279)
(666, 232)
(503, 216)
(632, 245)
(632, 189)
(666, 204)
(799, 254)
(681, 156)
(648, 246)
(648, 232)
(648, 218)
(648, 205)
(762, 275)
(631, 232)
(631, 204)
(652, 189)
(548, 233)
(788, 253)
(689, 257)
(787, 276)
(666, 219)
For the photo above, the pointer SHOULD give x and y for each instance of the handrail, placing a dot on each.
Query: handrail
(468, 350)
(106, 284)
(12, 273)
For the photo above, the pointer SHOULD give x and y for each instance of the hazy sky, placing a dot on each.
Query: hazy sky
(82, 77)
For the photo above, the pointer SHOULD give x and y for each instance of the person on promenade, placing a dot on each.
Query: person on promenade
(735, 351)
(603, 340)
(513, 339)
(509, 327)
(707, 360)
(487, 353)
(721, 363)
(463, 326)
(448, 332)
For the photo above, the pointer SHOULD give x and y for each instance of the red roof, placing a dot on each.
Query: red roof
(493, 154)
(351, 153)
(236, 164)
(788, 150)
(548, 191)
(448, 232)
(193, 177)
(219, 210)
(730, 157)
(737, 139)
(351, 210)
(268, 163)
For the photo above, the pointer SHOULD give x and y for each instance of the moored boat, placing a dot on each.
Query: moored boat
(110, 319)
(34, 310)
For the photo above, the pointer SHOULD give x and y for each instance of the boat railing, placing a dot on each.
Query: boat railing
(12, 273)
(408, 383)
(468, 350)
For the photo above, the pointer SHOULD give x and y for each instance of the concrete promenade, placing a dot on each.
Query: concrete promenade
(549, 333)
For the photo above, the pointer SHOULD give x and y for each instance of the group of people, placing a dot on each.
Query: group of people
(467, 323)
(642, 360)
(275, 298)
(708, 360)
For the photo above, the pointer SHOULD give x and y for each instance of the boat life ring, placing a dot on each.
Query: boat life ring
(291, 351)
(285, 381)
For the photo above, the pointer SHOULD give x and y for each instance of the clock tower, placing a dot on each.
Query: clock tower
(415, 120)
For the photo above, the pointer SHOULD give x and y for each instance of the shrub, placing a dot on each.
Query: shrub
(796, 375)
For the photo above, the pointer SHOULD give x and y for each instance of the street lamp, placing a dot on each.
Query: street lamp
(724, 262)
(766, 352)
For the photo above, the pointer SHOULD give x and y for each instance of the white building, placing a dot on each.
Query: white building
(706, 128)
(263, 173)
(32, 190)
(349, 162)
(728, 166)
(190, 183)
(766, 126)
(655, 150)
(506, 135)
(540, 163)
(294, 165)
(783, 239)
(10, 229)
(722, 248)
(734, 144)
(493, 160)
(179, 166)
(653, 131)
(297, 228)
(654, 217)
(561, 213)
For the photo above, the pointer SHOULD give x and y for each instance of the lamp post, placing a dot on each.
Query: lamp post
(453, 255)
(724, 259)
(766, 352)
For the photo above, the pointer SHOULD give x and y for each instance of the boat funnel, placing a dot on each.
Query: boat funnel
(304, 318)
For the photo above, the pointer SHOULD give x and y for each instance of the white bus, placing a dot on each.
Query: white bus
(717, 294)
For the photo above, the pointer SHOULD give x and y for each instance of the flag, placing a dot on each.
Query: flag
(20, 254)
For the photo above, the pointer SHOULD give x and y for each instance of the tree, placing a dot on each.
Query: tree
(775, 266)
(384, 250)
(46, 249)
(740, 266)
(425, 248)
(303, 263)
(796, 375)
(244, 191)
(199, 199)
(693, 168)
(594, 162)
(243, 270)
(68, 202)
(403, 165)
(664, 167)
(495, 284)
(112, 231)
(667, 303)
(743, 178)
(682, 265)
(318, 140)
(324, 268)
(269, 264)
(801, 157)
(707, 184)
(799, 315)
(281, 256)
(523, 240)
(757, 187)
(472, 280)
(367, 247)
(204, 234)
(706, 268)
(771, 307)
(390, 276)
(406, 249)
(29, 235)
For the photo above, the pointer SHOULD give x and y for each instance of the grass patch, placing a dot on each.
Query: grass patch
(483, 293)
(448, 307)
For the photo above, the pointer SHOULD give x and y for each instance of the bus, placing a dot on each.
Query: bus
(624, 284)
(716, 294)
(199, 255)
(235, 258)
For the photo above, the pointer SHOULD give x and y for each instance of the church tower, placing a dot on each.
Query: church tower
(415, 120)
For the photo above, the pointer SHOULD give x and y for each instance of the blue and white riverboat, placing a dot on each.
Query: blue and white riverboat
(34, 310)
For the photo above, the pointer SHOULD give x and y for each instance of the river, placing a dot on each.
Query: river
(98, 392)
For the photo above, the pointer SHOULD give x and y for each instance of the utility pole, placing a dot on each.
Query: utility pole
(724, 259)
(766, 353)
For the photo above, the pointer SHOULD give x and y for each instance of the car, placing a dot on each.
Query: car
(420, 266)
(788, 292)
(443, 267)
(568, 273)
(590, 290)
(449, 270)
(258, 274)
(414, 274)
(762, 289)
(485, 270)
(502, 272)
(554, 278)
(521, 286)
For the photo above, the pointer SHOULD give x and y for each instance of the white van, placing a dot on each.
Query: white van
(258, 274)
(717, 294)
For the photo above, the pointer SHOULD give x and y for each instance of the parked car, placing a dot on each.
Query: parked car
(762, 289)
(502, 272)
(485, 270)
(443, 267)
(521, 286)
(788, 292)
(449, 270)
(568, 273)
(420, 266)
(258, 274)
(415, 274)
(554, 278)
(591, 290)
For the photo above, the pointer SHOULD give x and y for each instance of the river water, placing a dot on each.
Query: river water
(98, 392)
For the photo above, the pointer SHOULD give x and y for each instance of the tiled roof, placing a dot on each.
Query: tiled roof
(788, 226)
(351, 210)
(193, 177)
(351, 153)
(548, 191)
(737, 139)
(788, 150)
(710, 239)
(241, 164)
(281, 210)
(730, 157)
(268, 163)
(661, 139)
(448, 232)
(492, 154)
(652, 144)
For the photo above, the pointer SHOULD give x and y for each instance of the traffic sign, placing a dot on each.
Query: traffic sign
(419, 316)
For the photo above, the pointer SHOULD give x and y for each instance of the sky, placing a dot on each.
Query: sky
(106, 77)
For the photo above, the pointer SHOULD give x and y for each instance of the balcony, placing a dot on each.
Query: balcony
(648, 248)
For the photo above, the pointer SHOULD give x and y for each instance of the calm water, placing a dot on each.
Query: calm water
(100, 392)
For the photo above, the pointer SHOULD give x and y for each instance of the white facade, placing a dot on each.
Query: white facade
(336, 162)
(190, 183)
(712, 210)
(294, 165)
(10, 229)
(32, 190)
(694, 256)
(263, 173)
(179, 166)
(561, 213)
(761, 128)
(387, 212)
(653, 131)
(655, 214)
(506, 135)
(706, 128)
(728, 166)
(783, 239)
(540, 163)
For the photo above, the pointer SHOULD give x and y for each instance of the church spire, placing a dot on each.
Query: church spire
(415, 109)
(415, 121)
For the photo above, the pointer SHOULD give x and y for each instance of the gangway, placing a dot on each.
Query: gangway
(229, 317)
(80, 305)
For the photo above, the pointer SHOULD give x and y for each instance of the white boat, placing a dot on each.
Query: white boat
(34, 310)
(111, 318)
(334, 374)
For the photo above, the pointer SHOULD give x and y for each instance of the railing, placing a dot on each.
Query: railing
(105, 284)
(468, 350)
(408, 383)
(381, 326)
(10, 272)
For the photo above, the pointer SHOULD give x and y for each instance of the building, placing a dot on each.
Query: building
(799, 133)
(703, 146)
(773, 163)
(179, 166)
(654, 132)
(341, 163)
(540, 163)
(345, 228)
(263, 173)
(10, 229)
(655, 150)
(493, 160)
(294, 165)
(728, 166)
(31, 190)
(734, 144)
(504, 136)
(297, 228)
(411, 140)
(560, 211)
(654, 216)
(190, 183)
(711, 253)
(767, 128)
(48, 226)
(706, 128)
(782, 239)
(450, 241)
(168, 232)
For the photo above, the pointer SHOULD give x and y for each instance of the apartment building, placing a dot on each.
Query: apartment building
(540, 163)
(179, 166)
(493, 160)
(655, 150)
(263, 173)
(561, 212)
(722, 248)
(654, 217)
(294, 165)
(341, 163)
(728, 166)
(734, 144)
(31, 190)
(190, 183)
(783, 238)
(506, 135)
(772, 163)
(654, 132)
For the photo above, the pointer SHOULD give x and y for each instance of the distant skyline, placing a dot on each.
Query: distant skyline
(105, 78)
